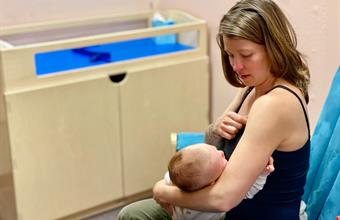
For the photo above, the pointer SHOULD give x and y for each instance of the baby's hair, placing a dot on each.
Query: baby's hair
(184, 174)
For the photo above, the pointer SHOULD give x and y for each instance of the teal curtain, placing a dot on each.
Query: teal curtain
(322, 190)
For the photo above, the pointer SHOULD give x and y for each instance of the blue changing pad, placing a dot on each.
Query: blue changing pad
(185, 139)
(75, 58)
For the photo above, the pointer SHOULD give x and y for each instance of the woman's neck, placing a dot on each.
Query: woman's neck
(264, 87)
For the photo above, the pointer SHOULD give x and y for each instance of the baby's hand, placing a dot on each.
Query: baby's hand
(270, 167)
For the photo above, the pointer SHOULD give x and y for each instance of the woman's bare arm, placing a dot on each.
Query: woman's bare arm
(266, 129)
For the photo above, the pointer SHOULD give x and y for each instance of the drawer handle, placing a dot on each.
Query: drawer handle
(116, 78)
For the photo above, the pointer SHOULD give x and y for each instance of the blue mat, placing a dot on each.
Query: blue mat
(185, 139)
(75, 58)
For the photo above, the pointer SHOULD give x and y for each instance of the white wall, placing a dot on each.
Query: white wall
(317, 24)
(14, 12)
(211, 11)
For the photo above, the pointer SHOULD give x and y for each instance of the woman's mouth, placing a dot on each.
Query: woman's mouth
(244, 76)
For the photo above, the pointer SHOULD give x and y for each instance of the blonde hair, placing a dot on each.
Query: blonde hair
(263, 22)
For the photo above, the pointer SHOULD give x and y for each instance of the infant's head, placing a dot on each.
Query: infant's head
(196, 166)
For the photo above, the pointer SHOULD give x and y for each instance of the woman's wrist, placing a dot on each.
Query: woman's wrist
(211, 137)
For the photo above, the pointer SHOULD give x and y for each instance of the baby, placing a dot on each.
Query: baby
(198, 166)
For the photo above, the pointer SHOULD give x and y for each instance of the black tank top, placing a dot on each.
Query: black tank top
(281, 195)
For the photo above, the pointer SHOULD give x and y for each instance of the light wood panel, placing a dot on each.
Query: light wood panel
(66, 148)
(154, 103)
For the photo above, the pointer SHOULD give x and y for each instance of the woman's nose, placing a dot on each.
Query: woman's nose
(237, 65)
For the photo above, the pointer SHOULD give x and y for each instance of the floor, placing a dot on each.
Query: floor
(110, 215)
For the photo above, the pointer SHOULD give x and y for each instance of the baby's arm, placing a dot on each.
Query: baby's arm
(261, 180)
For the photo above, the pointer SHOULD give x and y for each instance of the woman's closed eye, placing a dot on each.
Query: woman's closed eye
(248, 55)
(245, 55)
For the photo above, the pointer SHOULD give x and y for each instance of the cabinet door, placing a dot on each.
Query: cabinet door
(156, 102)
(65, 148)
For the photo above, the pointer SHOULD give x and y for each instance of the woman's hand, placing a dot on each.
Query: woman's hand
(167, 207)
(228, 124)
(157, 190)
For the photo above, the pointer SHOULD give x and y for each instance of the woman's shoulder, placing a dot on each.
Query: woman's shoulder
(282, 97)
(272, 106)
(281, 112)
(279, 105)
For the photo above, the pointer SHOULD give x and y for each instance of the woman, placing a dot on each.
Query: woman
(267, 118)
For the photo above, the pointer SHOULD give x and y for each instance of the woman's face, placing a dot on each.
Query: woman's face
(249, 60)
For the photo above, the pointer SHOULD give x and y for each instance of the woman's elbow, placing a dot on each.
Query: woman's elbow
(223, 202)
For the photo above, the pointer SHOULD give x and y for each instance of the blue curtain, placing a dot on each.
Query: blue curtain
(322, 190)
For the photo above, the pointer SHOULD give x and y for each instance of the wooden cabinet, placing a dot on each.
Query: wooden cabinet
(154, 103)
(77, 140)
(65, 148)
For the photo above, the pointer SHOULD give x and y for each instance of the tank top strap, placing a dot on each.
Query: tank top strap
(244, 98)
(298, 97)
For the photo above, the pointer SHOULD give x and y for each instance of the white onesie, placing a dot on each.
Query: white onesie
(188, 214)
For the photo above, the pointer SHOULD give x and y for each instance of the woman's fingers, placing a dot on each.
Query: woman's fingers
(167, 207)
(157, 192)
(227, 131)
(231, 124)
(226, 135)
(237, 118)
